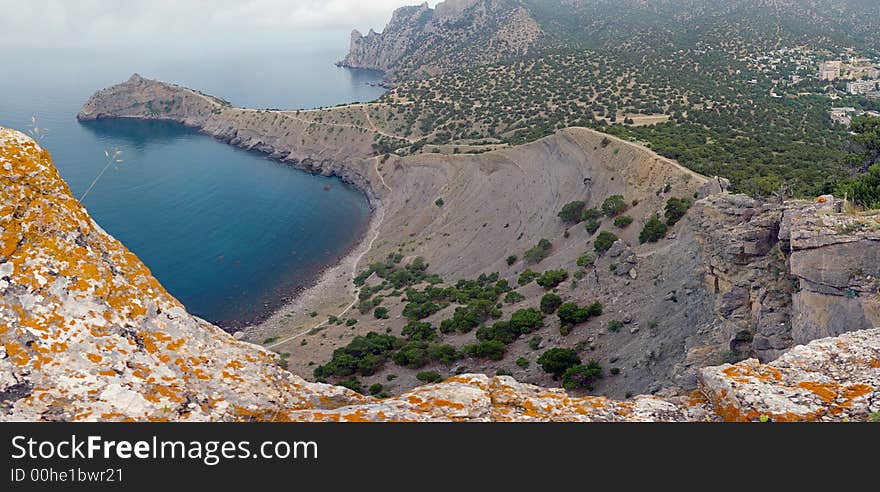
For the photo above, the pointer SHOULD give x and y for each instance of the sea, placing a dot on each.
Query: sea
(230, 233)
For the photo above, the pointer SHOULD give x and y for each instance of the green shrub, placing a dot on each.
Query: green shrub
(511, 260)
(595, 309)
(676, 208)
(417, 330)
(863, 190)
(550, 303)
(351, 383)
(588, 259)
(539, 252)
(623, 221)
(439, 202)
(522, 362)
(556, 361)
(420, 310)
(364, 354)
(604, 241)
(527, 320)
(552, 278)
(489, 349)
(615, 326)
(582, 376)
(535, 343)
(572, 212)
(501, 331)
(744, 336)
(381, 313)
(653, 231)
(592, 225)
(429, 377)
(591, 214)
(571, 314)
(412, 355)
(526, 277)
(444, 354)
(513, 297)
(471, 316)
(614, 205)
(375, 389)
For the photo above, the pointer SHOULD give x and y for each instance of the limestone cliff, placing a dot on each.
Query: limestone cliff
(298, 138)
(420, 41)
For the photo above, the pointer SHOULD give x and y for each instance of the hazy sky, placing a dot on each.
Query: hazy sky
(50, 23)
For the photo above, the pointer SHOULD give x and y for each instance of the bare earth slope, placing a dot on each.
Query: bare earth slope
(86, 333)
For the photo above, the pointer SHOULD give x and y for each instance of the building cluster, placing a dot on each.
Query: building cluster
(855, 68)
(844, 116)
(830, 70)
(870, 88)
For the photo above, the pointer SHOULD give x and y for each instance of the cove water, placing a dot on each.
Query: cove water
(229, 232)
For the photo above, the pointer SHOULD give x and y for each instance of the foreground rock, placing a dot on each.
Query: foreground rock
(829, 379)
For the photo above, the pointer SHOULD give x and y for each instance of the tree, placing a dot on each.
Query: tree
(489, 349)
(572, 212)
(550, 303)
(614, 205)
(381, 312)
(429, 377)
(864, 190)
(654, 231)
(676, 208)
(604, 241)
(412, 355)
(582, 376)
(526, 320)
(539, 252)
(526, 277)
(417, 330)
(623, 221)
(444, 354)
(558, 360)
(572, 314)
(866, 137)
(551, 279)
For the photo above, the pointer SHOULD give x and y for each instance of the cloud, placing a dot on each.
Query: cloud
(132, 22)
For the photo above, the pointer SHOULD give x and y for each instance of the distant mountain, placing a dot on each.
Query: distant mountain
(420, 41)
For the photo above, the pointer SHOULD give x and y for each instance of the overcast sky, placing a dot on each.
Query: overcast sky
(48, 23)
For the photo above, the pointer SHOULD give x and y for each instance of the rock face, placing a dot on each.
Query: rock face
(86, 333)
(835, 259)
(420, 41)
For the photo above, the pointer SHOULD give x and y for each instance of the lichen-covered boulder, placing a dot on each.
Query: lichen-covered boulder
(829, 379)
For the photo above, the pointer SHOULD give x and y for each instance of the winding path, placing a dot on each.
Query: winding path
(354, 270)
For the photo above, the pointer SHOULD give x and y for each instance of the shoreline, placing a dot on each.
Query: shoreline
(332, 286)
(293, 300)
(288, 297)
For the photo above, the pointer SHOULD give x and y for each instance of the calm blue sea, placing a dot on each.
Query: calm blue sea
(228, 232)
